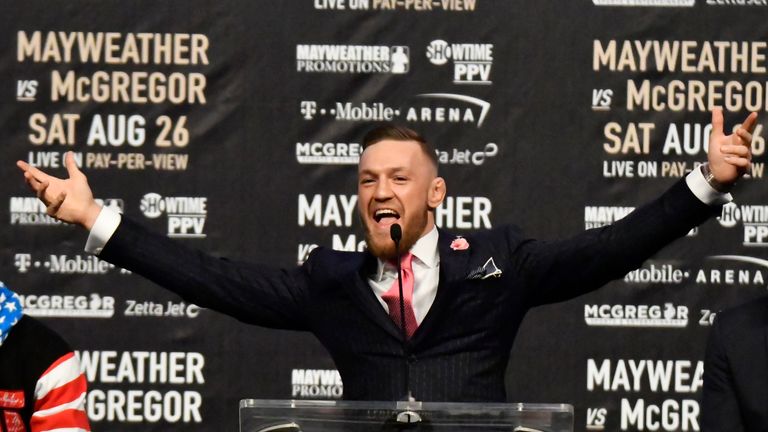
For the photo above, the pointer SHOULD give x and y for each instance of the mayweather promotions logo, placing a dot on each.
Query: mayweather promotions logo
(316, 384)
(355, 59)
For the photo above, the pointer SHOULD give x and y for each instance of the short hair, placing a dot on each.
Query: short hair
(395, 132)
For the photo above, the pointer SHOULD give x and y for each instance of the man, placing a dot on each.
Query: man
(41, 385)
(470, 294)
(736, 370)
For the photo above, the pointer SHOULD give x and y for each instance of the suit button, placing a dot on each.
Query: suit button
(412, 359)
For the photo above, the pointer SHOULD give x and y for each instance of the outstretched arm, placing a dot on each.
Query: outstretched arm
(68, 200)
(582, 263)
(730, 155)
(256, 294)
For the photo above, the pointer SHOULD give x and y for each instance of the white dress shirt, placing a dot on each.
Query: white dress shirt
(426, 274)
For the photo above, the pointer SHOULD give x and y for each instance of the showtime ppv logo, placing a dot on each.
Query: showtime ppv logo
(472, 63)
(68, 306)
(753, 217)
(186, 215)
(355, 59)
(605, 315)
(316, 384)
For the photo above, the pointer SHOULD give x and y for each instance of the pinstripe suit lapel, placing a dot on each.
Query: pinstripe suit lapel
(357, 285)
(453, 270)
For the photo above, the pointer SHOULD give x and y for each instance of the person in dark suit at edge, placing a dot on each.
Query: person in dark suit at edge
(471, 293)
(735, 396)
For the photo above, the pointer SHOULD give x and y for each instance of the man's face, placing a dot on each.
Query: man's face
(397, 183)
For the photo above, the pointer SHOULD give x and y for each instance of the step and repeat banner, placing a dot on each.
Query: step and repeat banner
(234, 126)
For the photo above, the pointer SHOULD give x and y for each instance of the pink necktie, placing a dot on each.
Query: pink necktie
(392, 297)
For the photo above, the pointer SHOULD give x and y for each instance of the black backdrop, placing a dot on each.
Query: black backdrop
(240, 122)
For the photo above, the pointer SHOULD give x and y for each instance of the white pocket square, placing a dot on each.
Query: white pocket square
(485, 271)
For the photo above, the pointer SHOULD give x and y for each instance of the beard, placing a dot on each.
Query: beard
(381, 244)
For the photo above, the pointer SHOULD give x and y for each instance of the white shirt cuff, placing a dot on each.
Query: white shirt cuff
(102, 230)
(703, 191)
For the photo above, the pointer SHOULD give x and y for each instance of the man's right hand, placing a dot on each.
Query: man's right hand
(68, 200)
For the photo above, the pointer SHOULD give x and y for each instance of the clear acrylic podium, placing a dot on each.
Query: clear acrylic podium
(258, 415)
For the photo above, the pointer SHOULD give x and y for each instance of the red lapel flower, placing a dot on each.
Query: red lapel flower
(460, 243)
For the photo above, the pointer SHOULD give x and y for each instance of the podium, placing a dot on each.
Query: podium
(259, 415)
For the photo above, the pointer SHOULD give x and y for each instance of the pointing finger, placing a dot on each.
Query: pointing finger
(750, 123)
(32, 171)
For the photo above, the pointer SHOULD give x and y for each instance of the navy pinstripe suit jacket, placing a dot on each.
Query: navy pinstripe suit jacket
(736, 370)
(461, 349)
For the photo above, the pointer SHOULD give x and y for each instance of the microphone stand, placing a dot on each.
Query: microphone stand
(396, 234)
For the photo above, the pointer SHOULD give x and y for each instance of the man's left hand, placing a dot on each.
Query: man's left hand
(730, 156)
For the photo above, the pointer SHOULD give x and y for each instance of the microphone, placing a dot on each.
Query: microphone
(396, 233)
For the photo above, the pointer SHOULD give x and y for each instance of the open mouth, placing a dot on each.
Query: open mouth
(385, 215)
